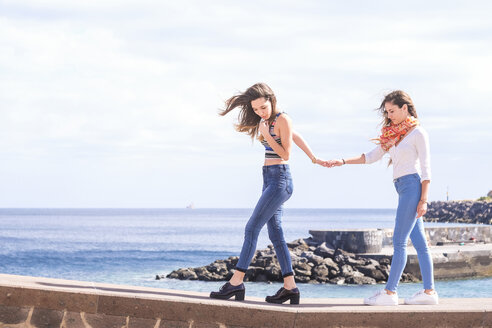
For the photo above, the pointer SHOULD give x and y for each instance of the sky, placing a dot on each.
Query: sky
(114, 103)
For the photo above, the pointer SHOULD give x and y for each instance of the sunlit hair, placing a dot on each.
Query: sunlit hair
(247, 119)
(398, 98)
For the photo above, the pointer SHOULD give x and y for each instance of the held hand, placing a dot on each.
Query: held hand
(264, 128)
(334, 162)
(321, 162)
(421, 209)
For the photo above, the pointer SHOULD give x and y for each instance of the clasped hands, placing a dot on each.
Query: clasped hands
(329, 163)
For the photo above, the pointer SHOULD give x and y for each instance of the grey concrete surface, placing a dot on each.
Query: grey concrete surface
(43, 302)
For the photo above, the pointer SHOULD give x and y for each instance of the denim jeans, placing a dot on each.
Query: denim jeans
(277, 188)
(406, 225)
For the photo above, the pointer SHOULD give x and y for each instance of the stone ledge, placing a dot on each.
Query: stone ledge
(44, 302)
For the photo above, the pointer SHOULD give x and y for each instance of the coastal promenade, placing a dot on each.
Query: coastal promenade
(43, 302)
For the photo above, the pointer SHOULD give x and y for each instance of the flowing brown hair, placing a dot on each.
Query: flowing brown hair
(247, 119)
(398, 98)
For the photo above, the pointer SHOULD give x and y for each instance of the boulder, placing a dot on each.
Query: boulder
(346, 270)
(311, 242)
(331, 264)
(187, 274)
(321, 271)
(342, 256)
(212, 277)
(273, 273)
(296, 243)
(355, 261)
(201, 273)
(302, 264)
(337, 281)
(315, 259)
(302, 273)
(324, 251)
(360, 280)
(371, 271)
(302, 279)
(217, 267)
(408, 277)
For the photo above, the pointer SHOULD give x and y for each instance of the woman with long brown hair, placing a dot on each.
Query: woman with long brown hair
(259, 116)
(407, 143)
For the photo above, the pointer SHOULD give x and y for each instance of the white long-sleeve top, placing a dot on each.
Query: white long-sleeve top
(410, 155)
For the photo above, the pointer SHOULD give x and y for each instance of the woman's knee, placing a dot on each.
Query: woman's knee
(277, 240)
(399, 242)
(251, 231)
(421, 247)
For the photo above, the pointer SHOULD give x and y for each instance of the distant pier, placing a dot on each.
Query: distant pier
(457, 252)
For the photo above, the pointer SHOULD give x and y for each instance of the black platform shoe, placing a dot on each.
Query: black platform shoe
(284, 295)
(227, 291)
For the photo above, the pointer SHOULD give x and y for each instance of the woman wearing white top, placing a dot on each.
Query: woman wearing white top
(408, 146)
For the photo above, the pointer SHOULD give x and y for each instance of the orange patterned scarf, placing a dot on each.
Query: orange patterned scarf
(390, 135)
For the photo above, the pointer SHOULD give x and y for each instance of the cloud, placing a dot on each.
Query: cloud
(142, 81)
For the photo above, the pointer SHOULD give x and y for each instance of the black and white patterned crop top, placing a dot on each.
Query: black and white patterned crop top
(269, 152)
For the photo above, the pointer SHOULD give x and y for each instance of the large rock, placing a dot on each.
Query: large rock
(324, 251)
(311, 262)
(321, 271)
(342, 256)
(315, 259)
(274, 273)
(346, 270)
(220, 268)
(371, 271)
(360, 280)
(298, 243)
(477, 212)
(187, 274)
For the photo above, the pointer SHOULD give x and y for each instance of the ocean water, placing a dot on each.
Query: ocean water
(132, 246)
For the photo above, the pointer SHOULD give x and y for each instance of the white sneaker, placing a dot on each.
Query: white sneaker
(382, 298)
(422, 298)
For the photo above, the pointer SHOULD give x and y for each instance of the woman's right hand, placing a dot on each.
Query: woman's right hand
(264, 128)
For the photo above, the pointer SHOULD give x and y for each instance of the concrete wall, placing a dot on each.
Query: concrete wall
(372, 240)
(41, 302)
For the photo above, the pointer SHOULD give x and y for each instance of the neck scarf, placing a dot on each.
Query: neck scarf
(392, 134)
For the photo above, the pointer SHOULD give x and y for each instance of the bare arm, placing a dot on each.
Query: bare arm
(301, 143)
(352, 160)
(422, 206)
(371, 157)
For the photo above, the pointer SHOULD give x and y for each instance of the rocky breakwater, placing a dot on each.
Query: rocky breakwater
(313, 262)
(467, 211)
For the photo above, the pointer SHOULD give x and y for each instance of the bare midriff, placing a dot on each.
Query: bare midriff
(274, 161)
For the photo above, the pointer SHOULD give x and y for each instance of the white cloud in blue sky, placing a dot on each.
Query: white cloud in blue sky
(114, 103)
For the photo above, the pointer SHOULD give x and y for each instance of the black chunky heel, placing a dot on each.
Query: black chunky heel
(295, 299)
(240, 295)
(284, 295)
(227, 291)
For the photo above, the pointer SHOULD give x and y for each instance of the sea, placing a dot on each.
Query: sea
(132, 246)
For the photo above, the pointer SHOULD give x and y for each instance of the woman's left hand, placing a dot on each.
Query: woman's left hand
(421, 209)
(264, 128)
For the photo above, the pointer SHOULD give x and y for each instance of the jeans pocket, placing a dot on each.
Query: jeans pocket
(289, 186)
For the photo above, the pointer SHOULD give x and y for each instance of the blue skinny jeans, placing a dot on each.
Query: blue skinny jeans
(277, 188)
(409, 190)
